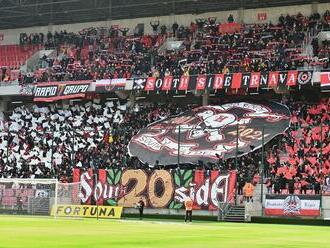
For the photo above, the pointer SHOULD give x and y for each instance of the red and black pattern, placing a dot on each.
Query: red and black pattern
(236, 81)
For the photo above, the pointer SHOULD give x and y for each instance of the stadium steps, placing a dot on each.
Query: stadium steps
(235, 214)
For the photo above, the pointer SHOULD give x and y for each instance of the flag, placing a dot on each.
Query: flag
(325, 80)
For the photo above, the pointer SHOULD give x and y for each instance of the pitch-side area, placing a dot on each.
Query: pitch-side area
(63, 232)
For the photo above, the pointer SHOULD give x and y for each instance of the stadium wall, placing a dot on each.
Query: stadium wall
(253, 213)
(172, 216)
(169, 212)
(291, 221)
(11, 36)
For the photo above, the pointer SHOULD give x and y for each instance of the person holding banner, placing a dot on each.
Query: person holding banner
(188, 203)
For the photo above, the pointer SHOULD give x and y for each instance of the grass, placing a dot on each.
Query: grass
(46, 233)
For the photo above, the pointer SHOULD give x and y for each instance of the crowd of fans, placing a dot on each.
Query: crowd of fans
(299, 163)
(102, 53)
(50, 141)
(321, 45)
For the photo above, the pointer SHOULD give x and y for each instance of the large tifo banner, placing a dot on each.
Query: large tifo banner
(292, 205)
(158, 188)
(54, 91)
(235, 81)
(210, 132)
(87, 211)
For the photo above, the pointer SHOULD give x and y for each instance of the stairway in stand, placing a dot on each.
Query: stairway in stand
(235, 214)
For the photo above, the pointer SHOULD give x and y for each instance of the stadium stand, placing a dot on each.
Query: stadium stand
(86, 135)
(13, 56)
(295, 164)
(49, 141)
(255, 47)
(101, 53)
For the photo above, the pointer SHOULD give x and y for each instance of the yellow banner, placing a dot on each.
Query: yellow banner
(87, 211)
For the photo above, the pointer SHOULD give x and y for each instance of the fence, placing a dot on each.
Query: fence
(36, 196)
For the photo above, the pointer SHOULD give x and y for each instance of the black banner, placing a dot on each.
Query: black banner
(27, 89)
(54, 91)
(110, 85)
(305, 78)
(209, 132)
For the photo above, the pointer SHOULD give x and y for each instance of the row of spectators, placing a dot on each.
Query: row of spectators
(50, 141)
(99, 53)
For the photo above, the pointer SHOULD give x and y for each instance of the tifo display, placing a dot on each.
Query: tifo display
(158, 188)
(217, 118)
(51, 141)
(210, 132)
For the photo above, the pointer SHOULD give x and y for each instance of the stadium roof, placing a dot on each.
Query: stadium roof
(24, 13)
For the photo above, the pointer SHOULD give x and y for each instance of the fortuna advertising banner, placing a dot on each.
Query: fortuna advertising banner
(54, 91)
(87, 211)
(210, 132)
(157, 188)
(292, 205)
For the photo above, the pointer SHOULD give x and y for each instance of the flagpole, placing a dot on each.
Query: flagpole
(262, 163)
(7, 150)
(236, 162)
(321, 150)
(179, 134)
